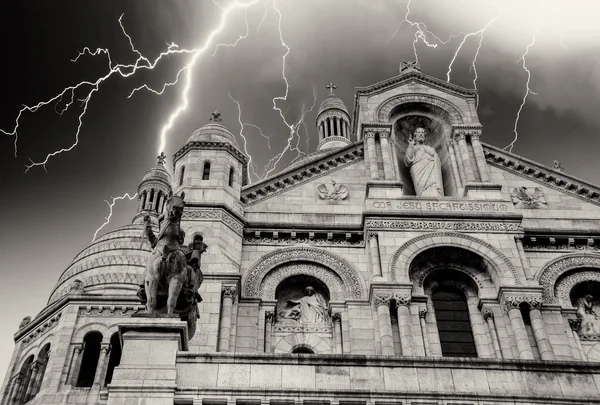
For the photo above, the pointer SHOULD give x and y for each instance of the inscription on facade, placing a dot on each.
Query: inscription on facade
(439, 206)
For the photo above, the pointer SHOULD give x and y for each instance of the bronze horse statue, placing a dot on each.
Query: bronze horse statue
(173, 276)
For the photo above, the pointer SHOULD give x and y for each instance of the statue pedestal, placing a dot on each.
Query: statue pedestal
(147, 371)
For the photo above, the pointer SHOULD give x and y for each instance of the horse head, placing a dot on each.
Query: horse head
(175, 205)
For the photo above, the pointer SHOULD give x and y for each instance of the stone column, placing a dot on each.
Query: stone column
(482, 166)
(269, 318)
(343, 125)
(518, 327)
(579, 354)
(382, 302)
(539, 331)
(338, 131)
(374, 252)
(155, 200)
(480, 335)
(30, 389)
(372, 154)
(386, 154)
(15, 390)
(142, 200)
(321, 134)
(434, 335)
(76, 364)
(464, 156)
(329, 126)
(404, 327)
(161, 201)
(454, 164)
(422, 315)
(337, 332)
(101, 367)
(488, 317)
(229, 293)
(526, 271)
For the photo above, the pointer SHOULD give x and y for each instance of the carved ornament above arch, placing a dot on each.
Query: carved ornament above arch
(563, 287)
(384, 110)
(253, 280)
(550, 273)
(333, 282)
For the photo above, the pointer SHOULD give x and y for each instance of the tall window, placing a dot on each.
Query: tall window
(25, 374)
(115, 357)
(181, 173)
(42, 363)
(454, 325)
(89, 360)
(206, 171)
(231, 173)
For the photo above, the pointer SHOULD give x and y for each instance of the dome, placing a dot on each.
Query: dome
(158, 172)
(113, 264)
(213, 132)
(332, 101)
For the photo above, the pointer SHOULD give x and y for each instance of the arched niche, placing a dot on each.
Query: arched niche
(293, 289)
(560, 275)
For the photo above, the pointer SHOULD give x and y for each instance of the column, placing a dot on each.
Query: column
(403, 312)
(524, 263)
(518, 327)
(229, 293)
(338, 131)
(269, 318)
(337, 330)
(386, 154)
(321, 134)
(374, 252)
(454, 165)
(488, 317)
(574, 327)
(327, 126)
(16, 389)
(30, 389)
(382, 302)
(160, 203)
(422, 314)
(482, 166)
(348, 130)
(464, 156)
(539, 331)
(101, 367)
(434, 335)
(372, 154)
(142, 200)
(480, 335)
(344, 129)
(76, 364)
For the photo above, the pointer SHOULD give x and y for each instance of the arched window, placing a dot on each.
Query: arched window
(303, 349)
(206, 171)
(115, 357)
(453, 322)
(22, 381)
(89, 359)
(42, 363)
(231, 174)
(181, 174)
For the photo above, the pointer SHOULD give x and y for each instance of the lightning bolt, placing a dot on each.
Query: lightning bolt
(110, 207)
(528, 90)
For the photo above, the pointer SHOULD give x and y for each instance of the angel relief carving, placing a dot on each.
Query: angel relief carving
(523, 197)
(333, 192)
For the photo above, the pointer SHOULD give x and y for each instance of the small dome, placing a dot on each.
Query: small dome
(332, 101)
(158, 172)
(213, 132)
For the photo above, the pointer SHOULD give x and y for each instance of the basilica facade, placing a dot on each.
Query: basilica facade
(403, 262)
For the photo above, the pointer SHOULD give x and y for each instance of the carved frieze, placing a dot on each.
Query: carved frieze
(514, 301)
(306, 238)
(402, 299)
(332, 192)
(528, 198)
(109, 310)
(214, 215)
(42, 329)
(274, 278)
(464, 226)
(551, 273)
(282, 327)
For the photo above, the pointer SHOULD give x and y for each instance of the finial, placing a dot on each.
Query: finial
(161, 158)
(331, 87)
(558, 166)
(409, 66)
(216, 116)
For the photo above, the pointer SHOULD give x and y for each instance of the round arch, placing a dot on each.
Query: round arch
(252, 280)
(317, 344)
(550, 273)
(385, 109)
(482, 284)
(501, 270)
(269, 284)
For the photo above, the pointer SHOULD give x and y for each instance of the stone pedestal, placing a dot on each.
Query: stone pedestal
(147, 371)
(483, 191)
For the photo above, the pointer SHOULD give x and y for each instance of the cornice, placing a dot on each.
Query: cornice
(541, 174)
(200, 145)
(297, 176)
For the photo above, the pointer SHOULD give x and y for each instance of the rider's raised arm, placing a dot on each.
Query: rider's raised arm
(149, 233)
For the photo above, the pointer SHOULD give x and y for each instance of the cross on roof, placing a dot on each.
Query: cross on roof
(161, 158)
(216, 116)
(412, 65)
(331, 87)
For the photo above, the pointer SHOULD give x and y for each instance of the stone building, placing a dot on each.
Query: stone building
(403, 262)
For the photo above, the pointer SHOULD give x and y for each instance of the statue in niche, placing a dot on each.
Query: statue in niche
(312, 308)
(589, 317)
(173, 276)
(425, 166)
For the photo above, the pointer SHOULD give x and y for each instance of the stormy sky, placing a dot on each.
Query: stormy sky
(49, 216)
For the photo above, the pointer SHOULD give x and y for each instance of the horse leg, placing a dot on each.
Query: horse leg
(175, 286)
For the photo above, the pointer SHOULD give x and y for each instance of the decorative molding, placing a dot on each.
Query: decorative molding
(514, 301)
(218, 214)
(574, 323)
(402, 299)
(269, 316)
(564, 285)
(331, 112)
(333, 192)
(297, 176)
(281, 327)
(461, 226)
(103, 278)
(42, 329)
(487, 314)
(336, 317)
(383, 111)
(229, 291)
(448, 266)
(140, 245)
(254, 277)
(561, 244)
(334, 283)
(108, 310)
(422, 313)
(203, 145)
(382, 298)
(303, 238)
(497, 259)
(555, 268)
(332, 139)
(541, 174)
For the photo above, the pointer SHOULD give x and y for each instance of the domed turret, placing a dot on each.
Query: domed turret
(153, 191)
(333, 122)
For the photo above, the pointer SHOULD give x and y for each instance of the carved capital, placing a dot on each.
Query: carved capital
(369, 133)
(402, 299)
(459, 135)
(78, 348)
(474, 134)
(372, 235)
(229, 291)
(34, 367)
(514, 301)
(105, 349)
(269, 316)
(574, 323)
(422, 313)
(382, 298)
(487, 314)
(385, 132)
(337, 317)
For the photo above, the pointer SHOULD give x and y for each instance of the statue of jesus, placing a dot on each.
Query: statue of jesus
(425, 166)
(313, 307)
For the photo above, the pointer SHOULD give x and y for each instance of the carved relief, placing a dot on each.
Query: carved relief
(383, 112)
(589, 317)
(333, 192)
(563, 287)
(466, 226)
(514, 301)
(382, 298)
(526, 198)
(275, 277)
(211, 215)
(402, 299)
(550, 274)
(113, 310)
(42, 329)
